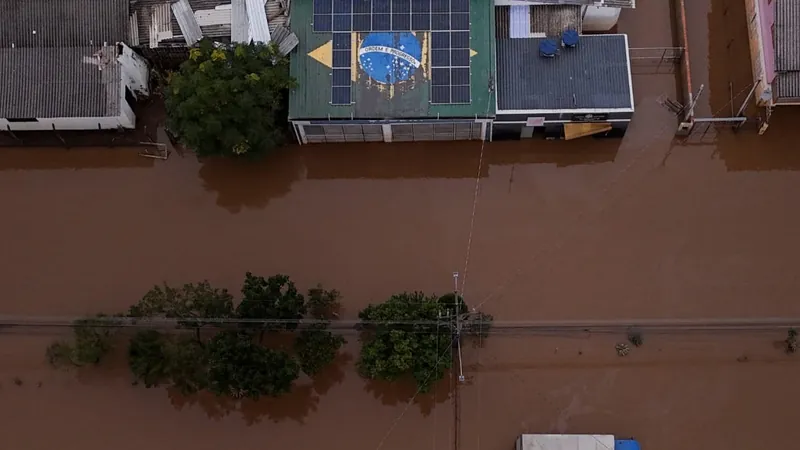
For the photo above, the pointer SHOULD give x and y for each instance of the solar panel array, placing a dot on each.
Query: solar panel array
(450, 77)
(341, 77)
(447, 20)
(390, 15)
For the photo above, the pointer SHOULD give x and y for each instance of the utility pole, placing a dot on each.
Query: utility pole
(456, 333)
(457, 326)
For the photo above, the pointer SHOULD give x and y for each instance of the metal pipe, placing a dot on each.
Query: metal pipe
(720, 119)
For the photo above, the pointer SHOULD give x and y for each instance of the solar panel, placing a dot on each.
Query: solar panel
(420, 6)
(341, 74)
(362, 7)
(390, 15)
(447, 20)
(450, 67)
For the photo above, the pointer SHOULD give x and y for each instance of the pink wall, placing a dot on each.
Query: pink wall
(767, 19)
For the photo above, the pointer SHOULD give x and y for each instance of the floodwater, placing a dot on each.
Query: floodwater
(644, 227)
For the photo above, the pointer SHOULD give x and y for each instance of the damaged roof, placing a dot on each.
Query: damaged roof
(155, 23)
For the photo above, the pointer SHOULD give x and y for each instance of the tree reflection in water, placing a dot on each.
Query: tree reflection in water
(294, 406)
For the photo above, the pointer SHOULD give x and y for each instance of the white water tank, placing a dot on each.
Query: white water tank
(599, 18)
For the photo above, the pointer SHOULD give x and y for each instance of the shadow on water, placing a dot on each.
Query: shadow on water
(404, 391)
(245, 183)
(295, 406)
(446, 159)
(774, 150)
(61, 159)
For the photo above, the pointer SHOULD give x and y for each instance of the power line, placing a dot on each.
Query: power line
(578, 220)
(699, 324)
(413, 397)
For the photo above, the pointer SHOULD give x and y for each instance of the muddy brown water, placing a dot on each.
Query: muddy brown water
(644, 227)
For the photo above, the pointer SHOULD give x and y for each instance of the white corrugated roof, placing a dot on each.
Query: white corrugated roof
(567, 442)
(257, 15)
(187, 22)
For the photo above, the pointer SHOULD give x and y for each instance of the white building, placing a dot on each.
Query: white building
(64, 66)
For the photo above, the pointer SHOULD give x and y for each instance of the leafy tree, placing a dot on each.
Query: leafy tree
(229, 100)
(414, 339)
(273, 298)
(147, 357)
(191, 301)
(92, 340)
(316, 348)
(239, 367)
(187, 368)
(791, 341)
(323, 304)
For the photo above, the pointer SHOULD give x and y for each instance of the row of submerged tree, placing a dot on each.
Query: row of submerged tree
(241, 351)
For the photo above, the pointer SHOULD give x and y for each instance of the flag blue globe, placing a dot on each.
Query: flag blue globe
(389, 58)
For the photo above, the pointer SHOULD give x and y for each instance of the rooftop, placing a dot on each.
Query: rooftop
(566, 442)
(608, 3)
(414, 63)
(62, 23)
(595, 75)
(522, 21)
(787, 48)
(58, 57)
(154, 23)
(59, 82)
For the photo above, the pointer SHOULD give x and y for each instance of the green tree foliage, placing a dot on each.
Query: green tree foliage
(91, 341)
(147, 357)
(273, 298)
(228, 363)
(419, 345)
(229, 100)
(239, 367)
(323, 304)
(413, 334)
(191, 301)
(187, 368)
(316, 347)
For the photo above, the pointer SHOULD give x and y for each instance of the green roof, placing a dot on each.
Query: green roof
(311, 66)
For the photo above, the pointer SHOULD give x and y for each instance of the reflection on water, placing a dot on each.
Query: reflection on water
(250, 184)
(774, 150)
(446, 160)
(76, 159)
(404, 391)
(294, 406)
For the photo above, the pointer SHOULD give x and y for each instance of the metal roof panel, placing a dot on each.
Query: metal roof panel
(787, 35)
(594, 75)
(59, 82)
